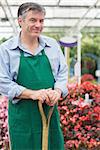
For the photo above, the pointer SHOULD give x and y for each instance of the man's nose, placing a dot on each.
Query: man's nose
(38, 24)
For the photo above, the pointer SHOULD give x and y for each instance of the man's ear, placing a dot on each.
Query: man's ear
(20, 21)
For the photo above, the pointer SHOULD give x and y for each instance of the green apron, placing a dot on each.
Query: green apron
(25, 124)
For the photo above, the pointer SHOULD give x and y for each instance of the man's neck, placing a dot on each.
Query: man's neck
(31, 43)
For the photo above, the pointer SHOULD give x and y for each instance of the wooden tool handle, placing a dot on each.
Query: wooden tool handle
(45, 123)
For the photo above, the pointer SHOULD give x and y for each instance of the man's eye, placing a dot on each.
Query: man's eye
(32, 20)
(41, 21)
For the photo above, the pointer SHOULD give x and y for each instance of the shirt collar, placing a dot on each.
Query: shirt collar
(43, 42)
(16, 42)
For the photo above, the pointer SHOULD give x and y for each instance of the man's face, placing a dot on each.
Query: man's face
(32, 23)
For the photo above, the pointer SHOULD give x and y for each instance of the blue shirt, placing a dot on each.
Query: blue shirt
(10, 59)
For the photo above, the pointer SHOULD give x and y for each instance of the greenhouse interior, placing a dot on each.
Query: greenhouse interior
(75, 25)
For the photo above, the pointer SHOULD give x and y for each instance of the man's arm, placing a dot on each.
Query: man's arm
(62, 76)
(34, 95)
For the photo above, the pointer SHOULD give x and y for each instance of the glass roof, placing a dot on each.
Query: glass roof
(61, 15)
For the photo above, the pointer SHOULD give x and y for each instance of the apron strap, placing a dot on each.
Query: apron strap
(43, 52)
(22, 52)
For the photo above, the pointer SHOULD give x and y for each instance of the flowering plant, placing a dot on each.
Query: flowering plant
(87, 77)
(3, 123)
(80, 124)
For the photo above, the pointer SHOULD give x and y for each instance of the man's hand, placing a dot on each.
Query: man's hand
(54, 96)
(49, 96)
(40, 95)
(34, 95)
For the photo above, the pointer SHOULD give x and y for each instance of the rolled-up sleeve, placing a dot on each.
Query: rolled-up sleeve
(62, 75)
(8, 87)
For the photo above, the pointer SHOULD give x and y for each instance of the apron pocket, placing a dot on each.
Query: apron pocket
(18, 125)
(21, 141)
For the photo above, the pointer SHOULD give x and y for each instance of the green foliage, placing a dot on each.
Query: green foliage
(3, 40)
(91, 45)
(55, 35)
(90, 52)
(88, 65)
(73, 51)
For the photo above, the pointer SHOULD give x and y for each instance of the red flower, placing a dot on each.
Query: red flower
(79, 121)
(88, 127)
(87, 77)
(97, 109)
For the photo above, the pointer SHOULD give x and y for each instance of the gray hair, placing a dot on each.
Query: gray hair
(25, 7)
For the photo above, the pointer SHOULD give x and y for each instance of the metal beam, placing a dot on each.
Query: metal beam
(60, 5)
(77, 26)
(8, 14)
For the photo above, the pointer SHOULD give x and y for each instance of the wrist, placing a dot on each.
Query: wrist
(32, 95)
(59, 91)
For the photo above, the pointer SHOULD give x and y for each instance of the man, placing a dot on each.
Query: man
(32, 69)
